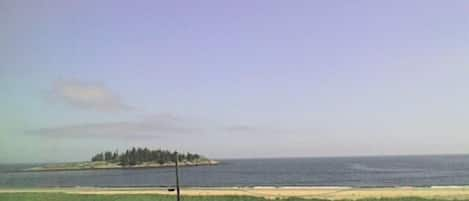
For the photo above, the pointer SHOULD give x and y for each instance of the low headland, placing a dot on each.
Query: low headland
(130, 159)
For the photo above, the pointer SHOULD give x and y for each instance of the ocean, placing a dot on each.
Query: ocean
(335, 171)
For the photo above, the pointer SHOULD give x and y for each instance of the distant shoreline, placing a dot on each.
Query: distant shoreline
(112, 166)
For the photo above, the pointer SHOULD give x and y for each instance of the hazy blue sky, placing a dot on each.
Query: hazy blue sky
(233, 78)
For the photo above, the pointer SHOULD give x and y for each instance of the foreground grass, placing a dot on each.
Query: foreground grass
(78, 197)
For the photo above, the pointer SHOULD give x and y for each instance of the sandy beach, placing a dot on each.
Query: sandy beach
(333, 193)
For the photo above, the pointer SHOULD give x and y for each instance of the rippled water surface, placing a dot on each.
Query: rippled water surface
(344, 171)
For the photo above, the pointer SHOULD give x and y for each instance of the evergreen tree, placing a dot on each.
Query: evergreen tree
(137, 156)
(115, 156)
(98, 157)
(108, 156)
(133, 157)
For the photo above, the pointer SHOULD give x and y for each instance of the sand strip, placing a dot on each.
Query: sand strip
(450, 192)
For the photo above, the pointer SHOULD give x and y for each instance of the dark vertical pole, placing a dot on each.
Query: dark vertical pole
(177, 178)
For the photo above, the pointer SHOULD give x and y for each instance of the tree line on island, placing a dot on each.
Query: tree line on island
(136, 156)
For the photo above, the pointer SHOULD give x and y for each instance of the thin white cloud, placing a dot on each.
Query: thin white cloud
(87, 96)
(160, 126)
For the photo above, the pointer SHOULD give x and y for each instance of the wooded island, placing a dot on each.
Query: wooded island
(136, 156)
(131, 158)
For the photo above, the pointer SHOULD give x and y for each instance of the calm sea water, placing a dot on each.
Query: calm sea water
(351, 171)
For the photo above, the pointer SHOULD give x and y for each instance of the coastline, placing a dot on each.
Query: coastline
(320, 192)
(114, 166)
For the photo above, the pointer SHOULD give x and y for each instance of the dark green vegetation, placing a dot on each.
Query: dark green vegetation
(136, 156)
(132, 158)
(77, 197)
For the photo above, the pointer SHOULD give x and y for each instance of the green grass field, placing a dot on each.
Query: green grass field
(77, 197)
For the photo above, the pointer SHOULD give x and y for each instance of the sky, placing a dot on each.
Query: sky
(233, 79)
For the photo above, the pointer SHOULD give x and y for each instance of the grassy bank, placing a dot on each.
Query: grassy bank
(237, 193)
(78, 197)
